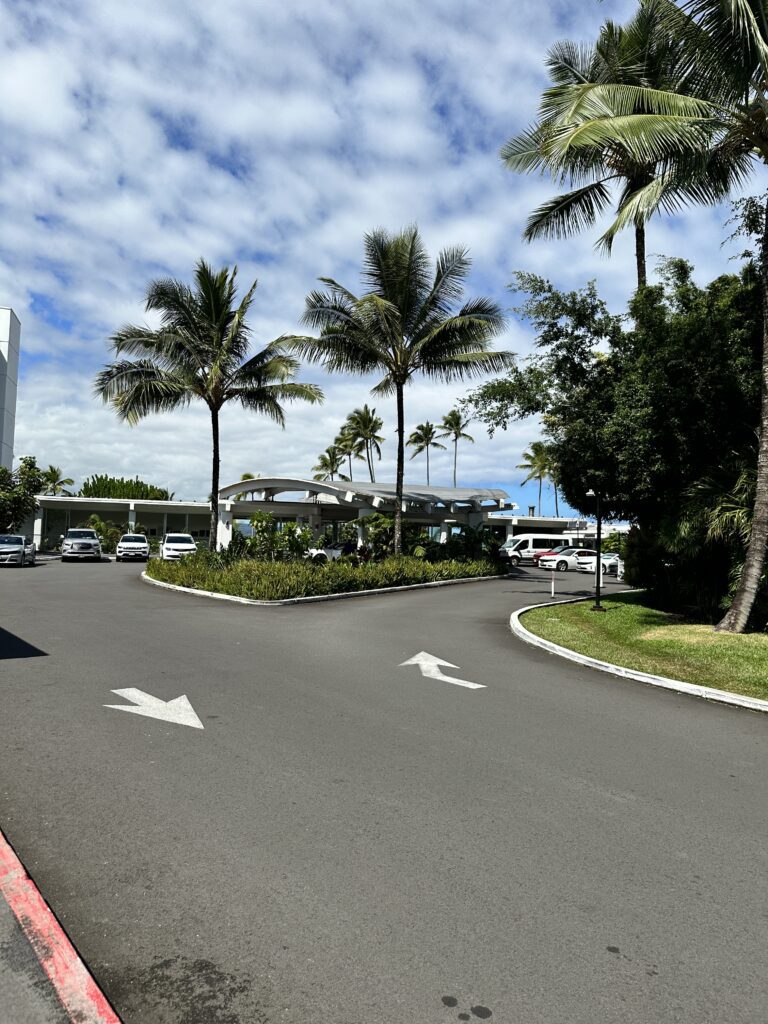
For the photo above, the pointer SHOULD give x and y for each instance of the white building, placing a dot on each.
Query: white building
(10, 341)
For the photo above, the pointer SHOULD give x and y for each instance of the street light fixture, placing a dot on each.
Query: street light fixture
(597, 606)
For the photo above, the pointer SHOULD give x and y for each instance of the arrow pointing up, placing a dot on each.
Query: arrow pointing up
(430, 668)
(179, 710)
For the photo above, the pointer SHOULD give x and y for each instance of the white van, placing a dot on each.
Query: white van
(522, 548)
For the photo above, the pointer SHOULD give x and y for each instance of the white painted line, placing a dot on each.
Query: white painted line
(705, 692)
(320, 597)
(430, 669)
(179, 710)
(77, 990)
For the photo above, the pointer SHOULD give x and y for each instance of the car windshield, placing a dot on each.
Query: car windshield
(11, 540)
(81, 535)
(133, 538)
(178, 538)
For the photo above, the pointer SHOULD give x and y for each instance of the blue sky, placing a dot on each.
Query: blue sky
(138, 137)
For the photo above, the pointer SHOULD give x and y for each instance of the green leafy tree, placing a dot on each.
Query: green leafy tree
(18, 488)
(454, 426)
(422, 439)
(103, 486)
(270, 544)
(721, 123)
(364, 425)
(199, 352)
(406, 323)
(54, 482)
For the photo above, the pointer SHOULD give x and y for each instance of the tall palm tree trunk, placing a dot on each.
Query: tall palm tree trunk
(540, 481)
(369, 459)
(427, 465)
(455, 457)
(642, 277)
(400, 470)
(557, 511)
(736, 618)
(212, 540)
(350, 465)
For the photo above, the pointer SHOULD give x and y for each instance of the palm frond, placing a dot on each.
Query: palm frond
(567, 214)
(135, 389)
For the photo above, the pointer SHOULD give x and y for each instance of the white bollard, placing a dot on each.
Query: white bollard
(553, 583)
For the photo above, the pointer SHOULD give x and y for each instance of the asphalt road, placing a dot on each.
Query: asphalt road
(347, 842)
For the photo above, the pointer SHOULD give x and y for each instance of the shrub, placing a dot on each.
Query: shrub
(277, 581)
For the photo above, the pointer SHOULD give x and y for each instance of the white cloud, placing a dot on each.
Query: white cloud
(138, 137)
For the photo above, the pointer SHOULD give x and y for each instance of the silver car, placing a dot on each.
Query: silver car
(81, 543)
(16, 550)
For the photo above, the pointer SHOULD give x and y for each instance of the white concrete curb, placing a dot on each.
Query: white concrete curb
(706, 692)
(318, 597)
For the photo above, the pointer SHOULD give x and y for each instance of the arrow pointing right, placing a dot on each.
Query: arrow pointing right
(430, 669)
(179, 710)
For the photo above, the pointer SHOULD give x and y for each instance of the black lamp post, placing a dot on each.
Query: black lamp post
(597, 607)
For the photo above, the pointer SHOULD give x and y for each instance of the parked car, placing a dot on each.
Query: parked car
(526, 546)
(328, 553)
(132, 545)
(16, 550)
(611, 564)
(552, 551)
(565, 560)
(174, 545)
(81, 543)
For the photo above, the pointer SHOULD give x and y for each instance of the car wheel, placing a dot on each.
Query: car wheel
(23, 561)
(562, 566)
(515, 560)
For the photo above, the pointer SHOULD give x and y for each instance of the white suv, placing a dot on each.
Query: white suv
(81, 543)
(132, 545)
(175, 545)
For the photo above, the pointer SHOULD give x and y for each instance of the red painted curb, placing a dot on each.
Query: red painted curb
(80, 996)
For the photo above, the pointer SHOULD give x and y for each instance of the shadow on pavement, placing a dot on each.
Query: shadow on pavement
(12, 646)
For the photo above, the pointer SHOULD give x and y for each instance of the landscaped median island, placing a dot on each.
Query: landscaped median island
(281, 581)
(635, 636)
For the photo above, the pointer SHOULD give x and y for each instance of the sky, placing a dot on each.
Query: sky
(139, 137)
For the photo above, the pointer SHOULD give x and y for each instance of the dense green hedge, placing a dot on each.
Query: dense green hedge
(277, 581)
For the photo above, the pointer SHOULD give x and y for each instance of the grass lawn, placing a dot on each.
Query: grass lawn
(635, 636)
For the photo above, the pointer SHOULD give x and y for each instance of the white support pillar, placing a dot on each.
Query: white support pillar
(446, 529)
(224, 532)
(362, 536)
(37, 536)
(132, 517)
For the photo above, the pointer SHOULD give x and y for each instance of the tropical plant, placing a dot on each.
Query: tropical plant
(454, 425)
(422, 439)
(102, 486)
(708, 138)
(200, 351)
(267, 543)
(645, 56)
(406, 323)
(242, 495)
(329, 464)
(364, 425)
(54, 482)
(538, 463)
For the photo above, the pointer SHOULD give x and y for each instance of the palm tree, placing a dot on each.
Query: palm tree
(642, 54)
(200, 351)
(708, 137)
(538, 464)
(454, 427)
(350, 446)
(364, 426)
(422, 439)
(54, 482)
(404, 324)
(329, 464)
(243, 494)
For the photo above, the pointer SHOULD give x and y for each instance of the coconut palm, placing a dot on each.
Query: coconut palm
(329, 464)
(406, 323)
(643, 54)
(364, 426)
(200, 351)
(54, 482)
(349, 445)
(454, 425)
(244, 494)
(708, 138)
(537, 462)
(422, 439)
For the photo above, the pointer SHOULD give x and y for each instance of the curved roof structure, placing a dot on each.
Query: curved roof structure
(363, 494)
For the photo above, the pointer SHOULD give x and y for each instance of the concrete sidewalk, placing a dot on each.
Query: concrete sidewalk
(26, 994)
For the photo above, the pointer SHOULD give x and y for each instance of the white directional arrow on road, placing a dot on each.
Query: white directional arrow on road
(430, 667)
(178, 710)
